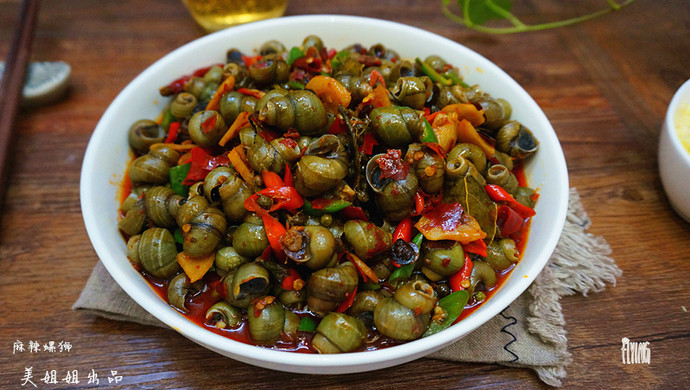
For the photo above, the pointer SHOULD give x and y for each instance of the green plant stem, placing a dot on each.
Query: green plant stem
(519, 26)
(505, 14)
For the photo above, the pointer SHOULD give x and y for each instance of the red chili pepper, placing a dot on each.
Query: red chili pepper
(216, 161)
(288, 179)
(418, 203)
(291, 133)
(202, 162)
(249, 61)
(289, 142)
(252, 205)
(337, 127)
(436, 148)
(430, 117)
(455, 281)
(347, 303)
(208, 124)
(266, 254)
(172, 132)
(376, 76)
(286, 198)
(289, 281)
(368, 143)
(499, 194)
(202, 71)
(509, 220)
(476, 246)
(175, 87)
(271, 179)
(251, 92)
(274, 231)
(353, 212)
(403, 231)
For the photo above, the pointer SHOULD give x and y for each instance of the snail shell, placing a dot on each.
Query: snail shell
(154, 166)
(203, 226)
(328, 287)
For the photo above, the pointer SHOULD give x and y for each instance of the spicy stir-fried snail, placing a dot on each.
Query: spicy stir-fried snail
(327, 201)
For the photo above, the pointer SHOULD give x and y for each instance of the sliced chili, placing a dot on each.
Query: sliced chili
(499, 194)
(455, 280)
(347, 303)
(476, 246)
(403, 231)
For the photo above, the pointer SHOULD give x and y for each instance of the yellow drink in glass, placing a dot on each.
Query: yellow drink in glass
(215, 15)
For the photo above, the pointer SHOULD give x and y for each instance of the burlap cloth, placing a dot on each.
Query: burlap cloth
(528, 333)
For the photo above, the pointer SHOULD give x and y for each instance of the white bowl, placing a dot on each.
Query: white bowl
(674, 158)
(107, 156)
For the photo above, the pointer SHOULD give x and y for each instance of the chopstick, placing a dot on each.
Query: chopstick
(13, 83)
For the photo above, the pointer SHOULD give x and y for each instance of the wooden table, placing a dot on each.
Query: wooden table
(605, 85)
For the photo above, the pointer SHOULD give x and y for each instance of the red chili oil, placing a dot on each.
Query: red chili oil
(392, 165)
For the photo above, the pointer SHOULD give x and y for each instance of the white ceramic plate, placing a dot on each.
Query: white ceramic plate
(107, 156)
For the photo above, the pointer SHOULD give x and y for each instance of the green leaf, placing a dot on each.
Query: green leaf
(306, 324)
(338, 59)
(177, 176)
(453, 304)
(480, 11)
(294, 54)
(403, 272)
(474, 200)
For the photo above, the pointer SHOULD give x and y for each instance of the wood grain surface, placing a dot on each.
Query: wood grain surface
(605, 85)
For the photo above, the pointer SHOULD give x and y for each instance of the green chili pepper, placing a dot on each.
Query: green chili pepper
(295, 84)
(294, 54)
(333, 207)
(168, 118)
(418, 240)
(405, 271)
(453, 304)
(177, 234)
(455, 78)
(433, 74)
(306, 324)
(428, 135)
(177, 176)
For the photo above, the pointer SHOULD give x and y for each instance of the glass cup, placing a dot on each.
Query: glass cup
(214, 15)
